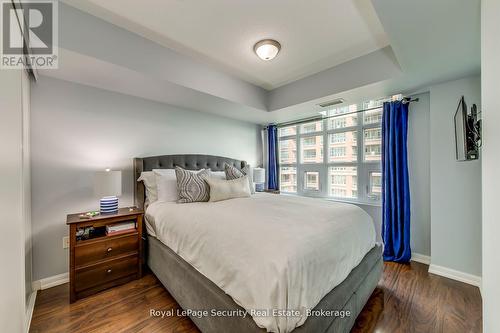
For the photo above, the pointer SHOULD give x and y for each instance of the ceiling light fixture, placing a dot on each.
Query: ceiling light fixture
(267, 49)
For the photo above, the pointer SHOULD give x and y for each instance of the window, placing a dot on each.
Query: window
(373, 152)
(343, 121)
(288, 151)
(373, 116)
(288, 179)
(312, 149)
(373, 144)
(311, 181)
(285, 131)
(337, 138)
(316, 126)
(338, 157)
(343, 147)
(338, 192)
(375, 190)
(373, 134)
(309, 141)
(337, 152)
(338, 180)
(343, 182)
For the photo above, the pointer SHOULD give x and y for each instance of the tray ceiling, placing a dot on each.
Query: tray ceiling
(315, 35)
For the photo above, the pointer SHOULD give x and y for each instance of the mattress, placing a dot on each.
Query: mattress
(271, 254)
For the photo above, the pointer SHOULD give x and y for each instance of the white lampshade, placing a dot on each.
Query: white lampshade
(259, 175)
(108, 183)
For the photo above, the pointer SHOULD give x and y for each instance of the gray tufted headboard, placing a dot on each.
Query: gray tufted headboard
(189, 162)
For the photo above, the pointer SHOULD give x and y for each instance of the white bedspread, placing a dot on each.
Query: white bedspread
(268, 251)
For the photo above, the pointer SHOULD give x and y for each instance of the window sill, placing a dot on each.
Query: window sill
(362, 203)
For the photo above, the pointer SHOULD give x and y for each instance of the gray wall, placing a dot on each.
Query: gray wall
(77, 130)
(490, 54)
(419, 171)
(455, 186)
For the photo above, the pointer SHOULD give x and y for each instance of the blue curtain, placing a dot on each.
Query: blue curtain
(272, 145)
(396, 187)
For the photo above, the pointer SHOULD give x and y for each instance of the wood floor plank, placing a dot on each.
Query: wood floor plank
(407, 299)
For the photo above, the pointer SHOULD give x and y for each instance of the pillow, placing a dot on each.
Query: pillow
(221, 189)
(233, 173)
(218, 174)
(191, 185)
(166, 183)
(149, 180)
(165, 172)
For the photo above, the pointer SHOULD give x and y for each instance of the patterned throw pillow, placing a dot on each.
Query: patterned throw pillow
(233, 173)
(192, 186)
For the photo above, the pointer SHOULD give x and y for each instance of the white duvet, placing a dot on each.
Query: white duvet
(267, 251)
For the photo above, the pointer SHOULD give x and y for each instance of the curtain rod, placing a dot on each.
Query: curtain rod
(405, 100)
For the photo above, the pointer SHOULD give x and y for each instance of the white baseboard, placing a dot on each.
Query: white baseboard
(51, 281)
(455, 275)
(29, 311)
(417, 257)
(447, 272)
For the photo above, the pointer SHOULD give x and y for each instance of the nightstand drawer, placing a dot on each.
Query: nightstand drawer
(108, 271)
(90, 253)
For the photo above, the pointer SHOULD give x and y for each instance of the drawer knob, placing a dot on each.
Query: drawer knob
(108, 271)
(110, 249)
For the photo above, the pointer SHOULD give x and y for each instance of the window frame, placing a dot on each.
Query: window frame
(364, 168)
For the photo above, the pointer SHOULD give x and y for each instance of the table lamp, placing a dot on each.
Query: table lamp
(108, 186)
(259, 178)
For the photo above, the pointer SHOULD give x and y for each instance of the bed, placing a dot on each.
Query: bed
(245, 257)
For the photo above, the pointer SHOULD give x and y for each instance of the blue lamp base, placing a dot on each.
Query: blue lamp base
(109, 205)
(259, 187)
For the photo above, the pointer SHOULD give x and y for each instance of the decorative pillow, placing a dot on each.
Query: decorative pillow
(166, 182)
(192, 186)
(221, 189)
(218, 174)
(149, 180)
(233, 173)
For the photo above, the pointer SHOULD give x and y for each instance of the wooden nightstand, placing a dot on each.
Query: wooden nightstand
(104, 261)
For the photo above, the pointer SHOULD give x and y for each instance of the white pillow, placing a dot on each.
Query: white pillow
(166, 183)
(233, 173)
(167, 172)
(149, 180)
(228, 189)
(218, 174)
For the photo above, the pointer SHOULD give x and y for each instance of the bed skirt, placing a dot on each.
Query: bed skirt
(192, 290)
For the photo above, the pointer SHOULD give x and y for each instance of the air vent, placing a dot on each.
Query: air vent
(332, 102)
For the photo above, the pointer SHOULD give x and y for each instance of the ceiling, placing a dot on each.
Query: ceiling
(198, 54)
(315, 34)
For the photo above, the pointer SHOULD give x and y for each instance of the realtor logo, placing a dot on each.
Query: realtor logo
(29, 34)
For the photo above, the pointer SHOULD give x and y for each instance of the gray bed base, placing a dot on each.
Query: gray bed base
(192, 290)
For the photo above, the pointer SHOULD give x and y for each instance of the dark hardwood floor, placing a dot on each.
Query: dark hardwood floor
(408, 299)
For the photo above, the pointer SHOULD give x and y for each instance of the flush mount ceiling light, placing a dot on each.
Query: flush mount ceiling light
(267, 49)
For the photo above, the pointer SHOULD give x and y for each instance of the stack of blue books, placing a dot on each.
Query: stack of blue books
(109, 205)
